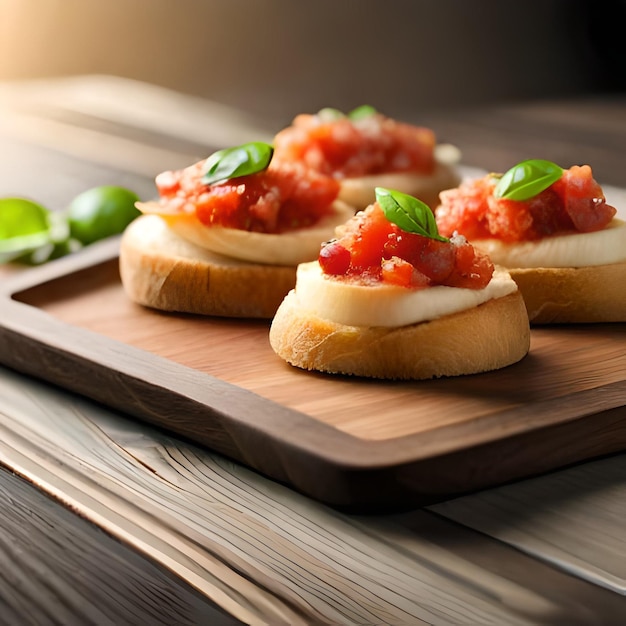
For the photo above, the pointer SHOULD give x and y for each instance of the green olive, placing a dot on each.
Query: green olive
(101, 212)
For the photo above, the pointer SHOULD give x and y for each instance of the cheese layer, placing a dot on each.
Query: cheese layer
(353, 304)
(288, 248)
(602, 247)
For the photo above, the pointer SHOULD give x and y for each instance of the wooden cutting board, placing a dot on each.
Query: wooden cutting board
(353, 443)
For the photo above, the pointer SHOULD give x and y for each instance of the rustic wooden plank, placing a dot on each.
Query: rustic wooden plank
(109, 123)
(573, 519)
(263, 552)
(52, 177)
(124, 106)
(58, 568)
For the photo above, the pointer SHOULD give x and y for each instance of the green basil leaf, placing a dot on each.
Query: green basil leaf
(365, 110)
(408, 213)
(243, 160)
(527, 179)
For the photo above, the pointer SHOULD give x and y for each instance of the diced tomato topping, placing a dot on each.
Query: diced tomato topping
(397, 271)
(574, 203)
(345, 148)
(472, 270)
(366, 241)
(464, 208)
(584, 199)
(281, 198)
(371, 248)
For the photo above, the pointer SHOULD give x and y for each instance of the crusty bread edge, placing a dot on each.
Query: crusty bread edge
(160, 270)
(559, 295)
(484, 338)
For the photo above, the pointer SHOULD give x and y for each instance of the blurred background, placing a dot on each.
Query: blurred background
(276, 58)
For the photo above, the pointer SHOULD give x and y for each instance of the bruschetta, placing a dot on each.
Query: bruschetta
(226, 234)
(365, 149)
(553, 229)
(390, 298)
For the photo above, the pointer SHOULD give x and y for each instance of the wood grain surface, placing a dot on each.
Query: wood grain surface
(573, 520)
(72, 567)
(262, 552)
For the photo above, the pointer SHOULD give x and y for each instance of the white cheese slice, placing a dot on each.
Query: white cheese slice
(602, 247)
(288, 248)
(354, 304)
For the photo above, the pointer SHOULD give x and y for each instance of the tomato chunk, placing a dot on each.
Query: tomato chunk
(574, 203)
(334, 258)
(281, 198)
(472, 270)
(396, 271)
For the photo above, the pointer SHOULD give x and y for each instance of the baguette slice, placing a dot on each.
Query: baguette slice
(555, 295)
(487, 337)
(161, 270)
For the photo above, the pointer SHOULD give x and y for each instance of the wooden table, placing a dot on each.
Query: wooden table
(107, 520)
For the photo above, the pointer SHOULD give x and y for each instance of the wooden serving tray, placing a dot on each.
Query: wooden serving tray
(353, 443)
